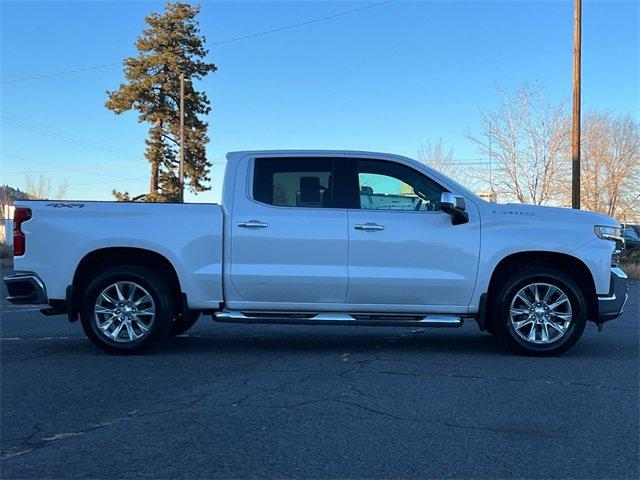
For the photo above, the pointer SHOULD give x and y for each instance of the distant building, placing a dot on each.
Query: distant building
(488, 195)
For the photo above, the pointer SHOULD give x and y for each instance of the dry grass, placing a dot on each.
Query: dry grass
(632, 270)
(630, 263)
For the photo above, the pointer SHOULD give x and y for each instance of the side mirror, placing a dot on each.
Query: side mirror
(454, 206)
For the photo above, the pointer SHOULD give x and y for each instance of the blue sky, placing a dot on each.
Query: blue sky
(383, 79)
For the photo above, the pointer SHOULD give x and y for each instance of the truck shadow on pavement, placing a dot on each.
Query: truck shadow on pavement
(292, 342)
(286, 343)
(214, 340)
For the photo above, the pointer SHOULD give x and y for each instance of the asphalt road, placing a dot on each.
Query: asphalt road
(233, 401)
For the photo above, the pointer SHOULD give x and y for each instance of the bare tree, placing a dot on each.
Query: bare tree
(610, 166)
(43, 188)
(435, 156)
(529, 139)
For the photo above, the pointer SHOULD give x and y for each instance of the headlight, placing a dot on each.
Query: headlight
(608, 233)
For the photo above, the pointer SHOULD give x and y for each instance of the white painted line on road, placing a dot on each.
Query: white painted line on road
(18, 310)
(14, 339)
(36, 338)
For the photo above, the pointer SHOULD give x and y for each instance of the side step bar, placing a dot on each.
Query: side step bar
(356, 319)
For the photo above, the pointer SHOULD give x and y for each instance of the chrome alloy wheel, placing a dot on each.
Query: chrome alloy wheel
(124, 312)
(540, 313)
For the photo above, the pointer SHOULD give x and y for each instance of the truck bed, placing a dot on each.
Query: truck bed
(189, 236)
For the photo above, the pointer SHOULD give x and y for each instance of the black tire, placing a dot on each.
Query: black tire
(509, 288)
(154, 286)
(183, 322)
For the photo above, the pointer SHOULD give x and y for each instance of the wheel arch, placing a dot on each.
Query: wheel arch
(100, 259)
(566, 263)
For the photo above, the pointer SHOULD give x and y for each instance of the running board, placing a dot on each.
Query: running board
(356, 319)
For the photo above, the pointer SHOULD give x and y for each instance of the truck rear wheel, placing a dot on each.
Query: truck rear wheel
(539, 310)
(126, 310)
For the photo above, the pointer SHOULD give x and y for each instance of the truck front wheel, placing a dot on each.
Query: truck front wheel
(126, 310)
(539, 310)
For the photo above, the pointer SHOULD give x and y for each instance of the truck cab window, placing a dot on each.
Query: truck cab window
(392, 186)
(294, 182)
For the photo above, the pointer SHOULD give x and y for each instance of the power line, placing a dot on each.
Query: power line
(56, 169)
(63, 168)
(61, 135)
(72, 139)
(57, 74)
(461, 162)
(65, 133)
(301, 24)
(69, 168)
(107, 181)
(211, 44)
(17, 157)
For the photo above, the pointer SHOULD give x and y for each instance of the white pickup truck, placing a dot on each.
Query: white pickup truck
(320, 237)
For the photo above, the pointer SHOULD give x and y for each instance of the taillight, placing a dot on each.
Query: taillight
(19, 215)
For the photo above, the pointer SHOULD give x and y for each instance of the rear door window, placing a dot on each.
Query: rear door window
(294, 182)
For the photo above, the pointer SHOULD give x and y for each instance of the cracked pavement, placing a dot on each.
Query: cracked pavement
(236, 401)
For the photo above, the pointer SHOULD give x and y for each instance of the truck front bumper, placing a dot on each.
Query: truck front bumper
(611, 305)
(25, 288)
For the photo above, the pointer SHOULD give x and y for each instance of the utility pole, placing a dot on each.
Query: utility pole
(490, 164)
(575, 130)
(181, 171)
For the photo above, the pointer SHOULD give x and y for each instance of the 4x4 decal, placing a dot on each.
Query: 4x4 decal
(65, 205)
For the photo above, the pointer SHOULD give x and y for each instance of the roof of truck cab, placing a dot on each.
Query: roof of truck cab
(312, 153)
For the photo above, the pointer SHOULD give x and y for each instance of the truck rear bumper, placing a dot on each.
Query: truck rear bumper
(611, 305)
(25, 288)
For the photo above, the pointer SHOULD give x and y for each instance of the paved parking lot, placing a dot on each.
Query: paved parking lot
(233, 401)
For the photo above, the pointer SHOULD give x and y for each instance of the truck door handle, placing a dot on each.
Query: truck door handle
(369, 227)
(253, 224)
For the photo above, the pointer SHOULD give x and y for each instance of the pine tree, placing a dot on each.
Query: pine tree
(171, 45)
